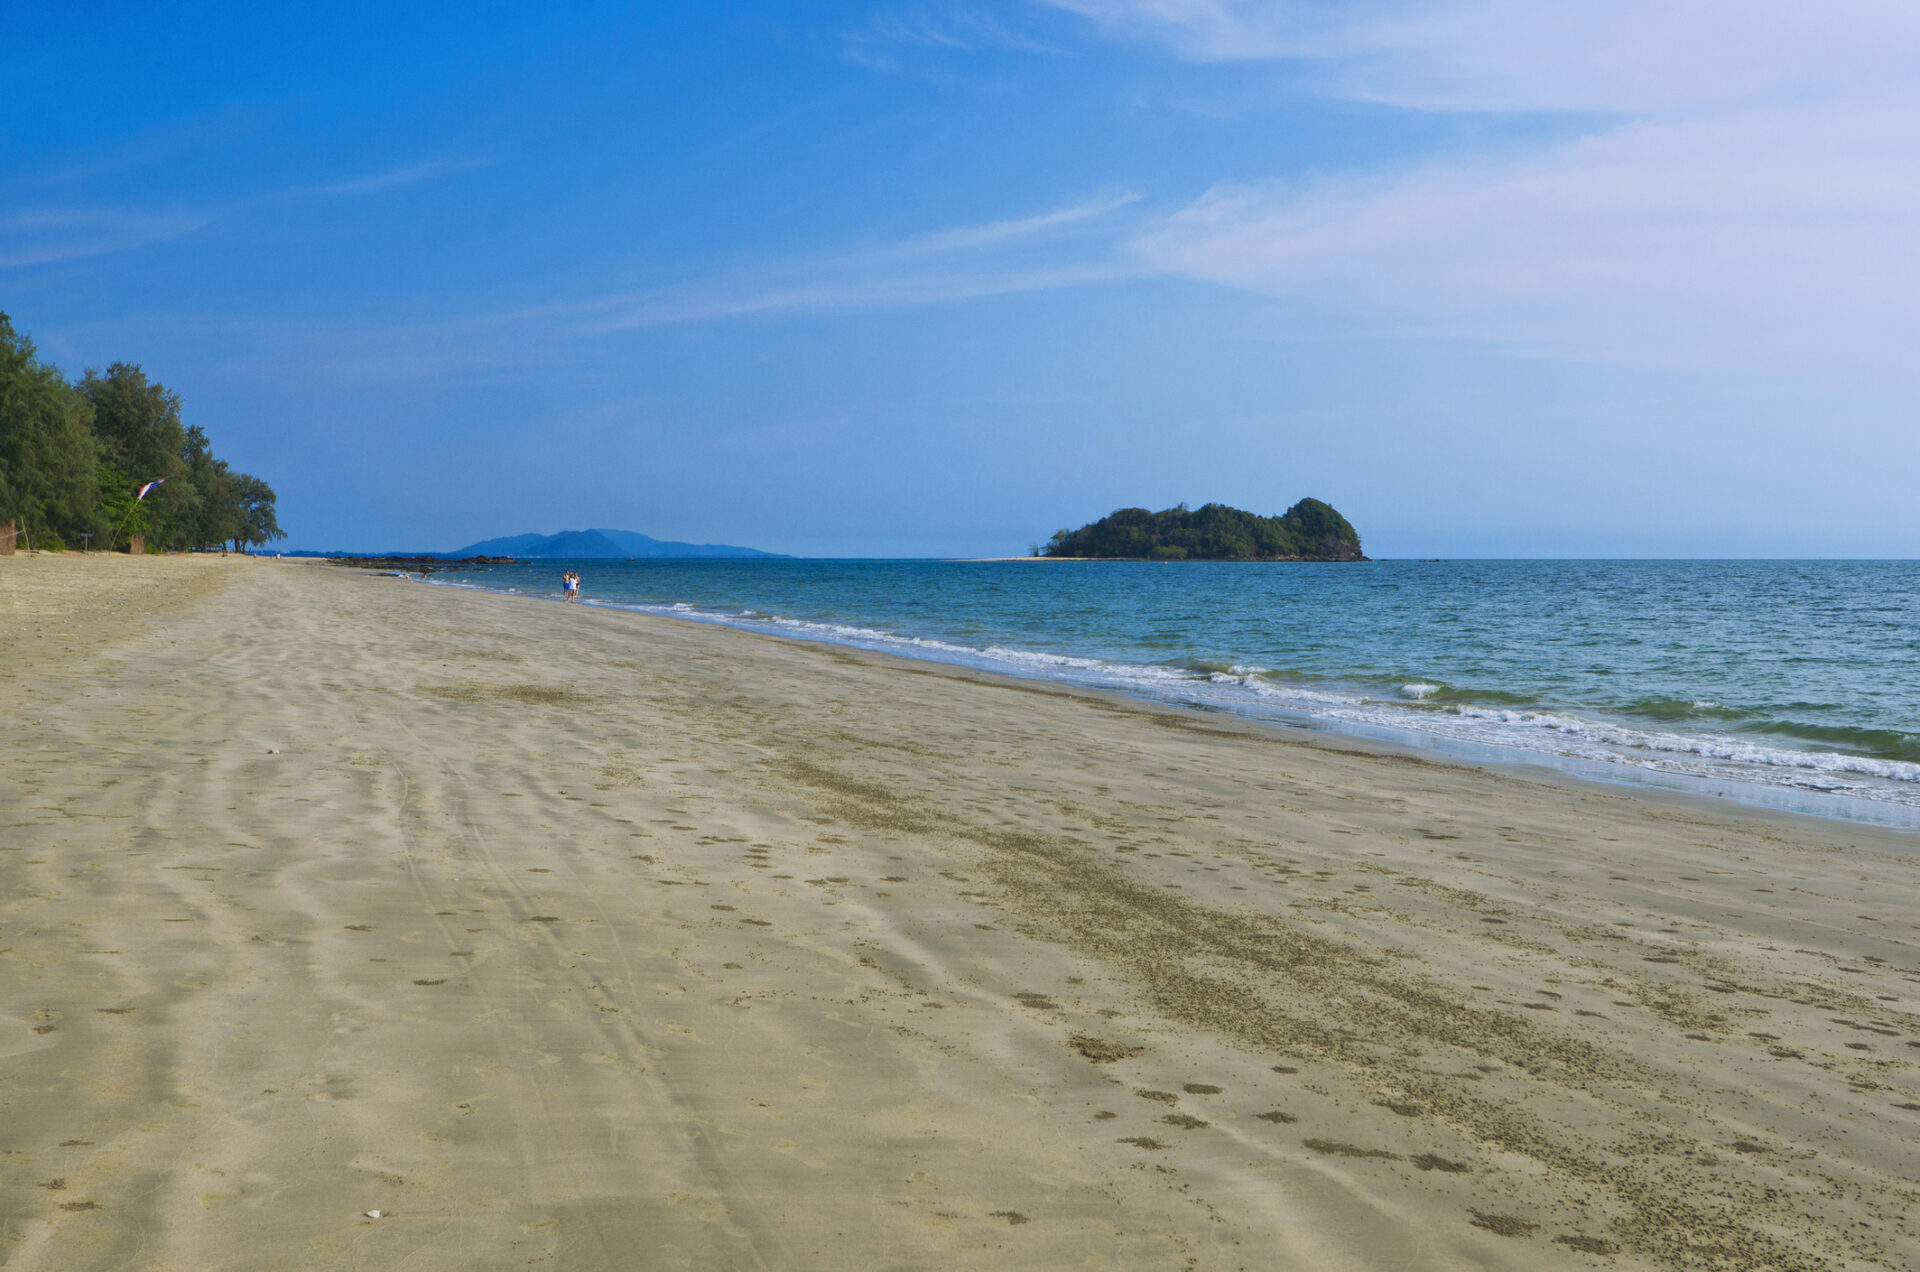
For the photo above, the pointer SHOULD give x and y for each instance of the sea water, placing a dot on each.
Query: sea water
(1792, 683)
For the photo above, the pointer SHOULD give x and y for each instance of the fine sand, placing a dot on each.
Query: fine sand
(575, 939)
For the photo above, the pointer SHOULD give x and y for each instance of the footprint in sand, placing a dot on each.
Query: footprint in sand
(1202, 1088)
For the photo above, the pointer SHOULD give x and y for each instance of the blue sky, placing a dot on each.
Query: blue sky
(1582, 278)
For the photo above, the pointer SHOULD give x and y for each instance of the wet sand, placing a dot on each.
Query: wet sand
(576, 939)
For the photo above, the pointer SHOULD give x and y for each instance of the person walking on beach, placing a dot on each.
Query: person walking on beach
(568, 582)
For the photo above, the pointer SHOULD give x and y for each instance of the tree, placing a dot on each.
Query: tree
(137, 426)
(216, 514)
(254, 502)
(74, 457)
(47, 453)
(1309, 531)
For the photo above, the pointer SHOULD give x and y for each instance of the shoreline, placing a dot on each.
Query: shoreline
(1694, 791)
(556, 933)
(1647, 775)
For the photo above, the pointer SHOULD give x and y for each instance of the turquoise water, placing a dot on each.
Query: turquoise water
(1786, 682)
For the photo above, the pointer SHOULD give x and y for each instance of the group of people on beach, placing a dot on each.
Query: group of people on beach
(570, 586)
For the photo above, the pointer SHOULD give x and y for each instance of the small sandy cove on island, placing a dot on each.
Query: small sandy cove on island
(577, 939)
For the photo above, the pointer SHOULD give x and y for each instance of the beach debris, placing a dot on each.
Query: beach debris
(1504, 1225)
(1432, 1161)
(1334, 1148)
(373, 1214)
(1099, 1050)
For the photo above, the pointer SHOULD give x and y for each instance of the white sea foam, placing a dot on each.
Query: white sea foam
(1251, 689)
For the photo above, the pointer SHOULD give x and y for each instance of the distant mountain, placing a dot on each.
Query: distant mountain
(599, 545)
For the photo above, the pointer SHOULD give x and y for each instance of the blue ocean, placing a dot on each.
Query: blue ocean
(1788, 683)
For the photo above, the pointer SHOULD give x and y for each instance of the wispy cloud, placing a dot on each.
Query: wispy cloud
(1609, 55)
(883, 43)
(1224, 30)
(1063, 247)
(708, 303)
(394, 178)
(49, 235)
(1743, 192)
(969, 237)
(1750, 238)
(1071, 246)
(46, 236)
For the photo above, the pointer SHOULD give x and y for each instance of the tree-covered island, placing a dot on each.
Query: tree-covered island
(1308, 531)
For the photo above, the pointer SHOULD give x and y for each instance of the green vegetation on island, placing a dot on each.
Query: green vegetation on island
(74, 455)
(1308, 531)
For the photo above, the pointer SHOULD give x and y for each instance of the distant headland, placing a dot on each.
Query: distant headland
(569, 545)
(1308, 531)
(580, 545)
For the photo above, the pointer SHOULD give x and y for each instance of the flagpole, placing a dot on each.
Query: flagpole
(130, 509)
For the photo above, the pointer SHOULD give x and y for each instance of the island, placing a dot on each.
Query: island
(1308, 531)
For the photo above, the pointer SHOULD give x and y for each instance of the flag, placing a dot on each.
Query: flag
(149, 486)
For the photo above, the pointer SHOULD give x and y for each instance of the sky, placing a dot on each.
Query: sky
(1577, 278)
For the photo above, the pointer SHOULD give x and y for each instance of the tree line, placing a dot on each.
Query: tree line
(1308, 531)
(74, 455)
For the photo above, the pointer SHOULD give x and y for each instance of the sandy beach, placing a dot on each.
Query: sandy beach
(575, 939)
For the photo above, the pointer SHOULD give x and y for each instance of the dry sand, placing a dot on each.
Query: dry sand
(583, 940)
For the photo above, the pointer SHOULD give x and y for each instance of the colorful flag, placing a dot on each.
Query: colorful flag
(149, 486)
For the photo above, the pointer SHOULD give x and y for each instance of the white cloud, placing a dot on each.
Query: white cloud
(996, 258)
(881, 44)
(49, 235)
(1746, 196)
(1624, 55)
(1733, 238)
(1034, 253)
(393, 178)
